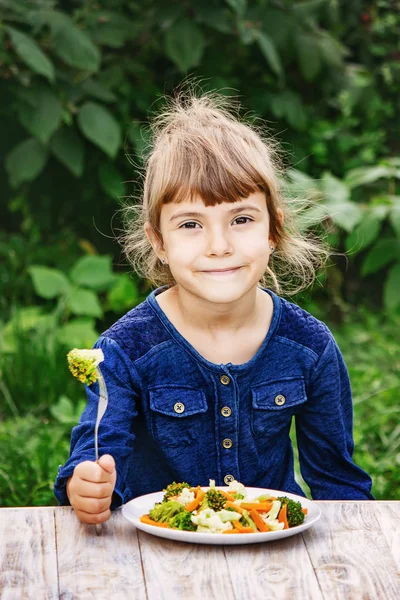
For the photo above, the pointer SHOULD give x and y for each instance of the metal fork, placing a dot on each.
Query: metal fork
(101, 409)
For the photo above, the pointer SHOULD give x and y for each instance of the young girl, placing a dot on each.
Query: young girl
(205, 376)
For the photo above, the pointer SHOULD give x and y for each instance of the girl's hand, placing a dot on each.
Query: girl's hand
(90, 489)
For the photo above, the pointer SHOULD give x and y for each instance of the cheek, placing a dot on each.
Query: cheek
(256, 246)
(182, 249)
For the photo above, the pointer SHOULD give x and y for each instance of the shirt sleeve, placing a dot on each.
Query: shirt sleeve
(324, 430)
(115, 429)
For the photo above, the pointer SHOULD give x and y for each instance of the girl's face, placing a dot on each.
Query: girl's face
(216, 253)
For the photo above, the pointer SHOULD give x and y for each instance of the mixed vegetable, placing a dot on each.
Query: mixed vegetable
(218, 511)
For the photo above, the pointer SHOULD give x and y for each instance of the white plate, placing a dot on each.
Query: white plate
(137, 507)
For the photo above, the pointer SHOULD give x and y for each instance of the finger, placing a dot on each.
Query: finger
(107, 463)
(87, 489)
(91, 471)
(85, 517)
(92, 506)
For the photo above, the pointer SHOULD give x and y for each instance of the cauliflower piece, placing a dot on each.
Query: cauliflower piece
(271, 517)
(185, 497)
(208, 521)
(235, 487)
(274, 524)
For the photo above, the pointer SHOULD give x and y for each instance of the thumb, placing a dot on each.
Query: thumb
(107, 463)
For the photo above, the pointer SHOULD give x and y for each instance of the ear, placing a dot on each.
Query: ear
(154, 240)
(280, 215)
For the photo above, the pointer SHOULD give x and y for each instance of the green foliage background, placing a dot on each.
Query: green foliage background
(77, 81)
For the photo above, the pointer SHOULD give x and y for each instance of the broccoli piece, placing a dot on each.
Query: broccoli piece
(213, 499)
(237, 496)
(174, 489)
(164, 511)
(295, 515)
(183, 520)
(83, 364)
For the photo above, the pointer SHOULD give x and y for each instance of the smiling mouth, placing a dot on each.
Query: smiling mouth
(221, 271)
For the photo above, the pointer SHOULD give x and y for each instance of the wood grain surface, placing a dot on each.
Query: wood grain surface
(28, 559)
(352, 553)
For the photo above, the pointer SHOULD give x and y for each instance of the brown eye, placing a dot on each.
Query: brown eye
(242, 220)
(189, 225)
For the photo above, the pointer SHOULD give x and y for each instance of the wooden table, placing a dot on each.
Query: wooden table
(353, 552)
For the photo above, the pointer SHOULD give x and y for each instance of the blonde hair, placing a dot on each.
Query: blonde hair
(199, 145)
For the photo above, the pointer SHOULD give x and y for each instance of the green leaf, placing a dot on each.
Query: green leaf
(270, 53)
(334, 189)
(84, 302)
(394, 217)
(43, 118)
(78, 333)
(93, 271)
(184, 44)
(140, 138)
(345, 214)
(308, 56)
(365, 175)
(364, 234)
(380, 255)
(331, 51)
(123, 295)
(28, 51)
(289, 105)
(112, 28)
(25, 161)
(217, 18)
(64, 411)
(391, 294)
(67, 146)
(100, 126)
(48, 282)
(98, 91)
(75, 47)
(111, 180)
(309, 8)
(239, 6)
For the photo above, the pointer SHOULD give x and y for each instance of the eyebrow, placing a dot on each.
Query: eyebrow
(233, 211)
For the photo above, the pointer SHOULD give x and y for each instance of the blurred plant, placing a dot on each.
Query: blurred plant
(366, 218)
(30, 451)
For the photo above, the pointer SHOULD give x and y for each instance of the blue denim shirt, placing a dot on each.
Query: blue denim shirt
(175, 416)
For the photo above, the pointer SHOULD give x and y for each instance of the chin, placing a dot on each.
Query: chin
(220, 294)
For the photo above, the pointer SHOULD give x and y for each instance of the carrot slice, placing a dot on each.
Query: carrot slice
(231, 531)
(195, 503)
(146, 519)
(305, 511)
(260, 506)
(282, 517)
(227, 496)
(259, 521)
(242, 528)
(236, 507)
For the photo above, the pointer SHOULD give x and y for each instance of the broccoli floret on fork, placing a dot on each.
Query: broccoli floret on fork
(83, 364)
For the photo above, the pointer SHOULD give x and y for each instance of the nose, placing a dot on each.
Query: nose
(219, 242)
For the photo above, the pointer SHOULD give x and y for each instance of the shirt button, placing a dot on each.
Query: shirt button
(225, 380)
(227, 443)
(228, 479)
(279, 400)
(226, 411)
(179, 407)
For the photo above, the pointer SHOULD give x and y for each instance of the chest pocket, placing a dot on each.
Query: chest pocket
(274, 403)
(176, 415)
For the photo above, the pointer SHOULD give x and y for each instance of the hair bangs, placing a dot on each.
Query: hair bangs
(202, 168)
